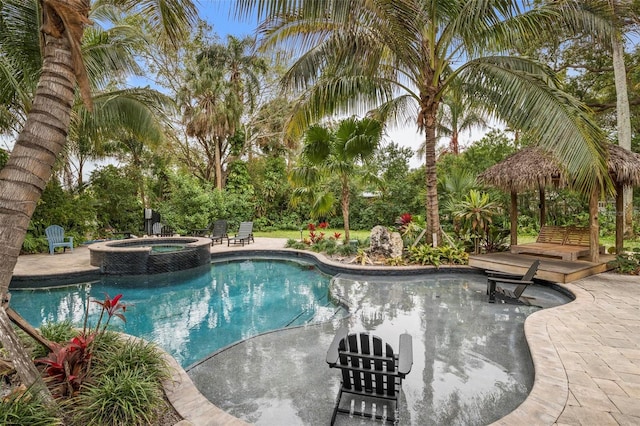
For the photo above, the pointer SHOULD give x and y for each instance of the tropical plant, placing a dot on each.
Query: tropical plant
(628, 262)
(362, 257)
(117, 205)
(68, 365)
(128, 397)
(190, 203)
(458, 114)
(474, 214)
(403, 58)
(425, 254)
(337, 153)
(346, 249)
(495, 239)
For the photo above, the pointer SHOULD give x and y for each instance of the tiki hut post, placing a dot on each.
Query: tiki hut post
(594, 227)
(542, 206)
(513, 217)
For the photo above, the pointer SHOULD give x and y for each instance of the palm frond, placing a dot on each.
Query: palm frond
(519, 91)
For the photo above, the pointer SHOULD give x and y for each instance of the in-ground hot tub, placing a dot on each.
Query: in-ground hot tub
(150, 255)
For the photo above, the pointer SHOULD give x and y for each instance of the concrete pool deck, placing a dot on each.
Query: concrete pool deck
(586, 353)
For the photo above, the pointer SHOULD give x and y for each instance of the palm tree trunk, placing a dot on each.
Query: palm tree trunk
(455, 150)
(624, 122)
(345, 206)
(433, 218)
(26, 174)
(218, 163)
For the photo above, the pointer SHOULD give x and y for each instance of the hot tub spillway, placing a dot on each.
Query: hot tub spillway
(137, 256)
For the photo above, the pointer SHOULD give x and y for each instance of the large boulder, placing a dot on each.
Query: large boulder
(384, 243)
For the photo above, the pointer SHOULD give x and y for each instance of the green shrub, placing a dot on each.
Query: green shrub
(346, 249)
(436, 256)
(295, 244)
(192, 204)
(628, 263)
(424, 255)
(116, 193)
(33, 244)
(26, 409)
(127, 398)
(59, 332)
(139, 356)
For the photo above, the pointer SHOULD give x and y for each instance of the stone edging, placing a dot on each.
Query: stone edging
(187, 400)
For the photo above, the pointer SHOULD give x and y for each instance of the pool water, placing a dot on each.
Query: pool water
(471, 361)
(191, 314)
(166, 248)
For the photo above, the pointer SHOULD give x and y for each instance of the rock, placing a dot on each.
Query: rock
(384, 243)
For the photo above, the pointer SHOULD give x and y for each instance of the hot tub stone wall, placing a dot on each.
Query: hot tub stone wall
(135, 257)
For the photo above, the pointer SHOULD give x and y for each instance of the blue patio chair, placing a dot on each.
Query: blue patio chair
(56, 238)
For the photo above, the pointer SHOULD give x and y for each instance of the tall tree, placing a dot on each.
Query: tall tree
(403, 57)
(340, 154)
(222, 87)
(622, 12)
(43, 137)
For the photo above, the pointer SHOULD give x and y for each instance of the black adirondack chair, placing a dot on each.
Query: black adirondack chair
(507, 295)
(371, 374)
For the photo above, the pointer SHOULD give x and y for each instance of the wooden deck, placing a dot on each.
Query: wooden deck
(554, 270)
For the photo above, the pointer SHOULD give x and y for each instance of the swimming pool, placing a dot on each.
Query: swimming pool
(471, 361)
(193, 313)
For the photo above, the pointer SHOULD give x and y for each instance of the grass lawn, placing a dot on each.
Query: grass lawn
(608, 241)
(361, 235)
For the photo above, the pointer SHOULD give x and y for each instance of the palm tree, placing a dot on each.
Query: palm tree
(61, 25)
(109, 54)
(226, 79)
(402, 58)
(339, 154)
(457, 115)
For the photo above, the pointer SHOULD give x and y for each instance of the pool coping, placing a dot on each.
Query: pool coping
(544, 404)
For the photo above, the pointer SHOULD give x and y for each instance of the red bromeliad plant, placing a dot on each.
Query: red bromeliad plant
(336, 235)
(111, 307)
(68, 365)
(315, 237)
(403, 221)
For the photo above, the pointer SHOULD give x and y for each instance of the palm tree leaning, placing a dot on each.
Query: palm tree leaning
(401, 58)
(336, 153)
(44, 134)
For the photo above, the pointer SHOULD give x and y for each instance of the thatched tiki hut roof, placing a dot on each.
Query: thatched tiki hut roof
(534, 168)
(623, 165)
(529, 168)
